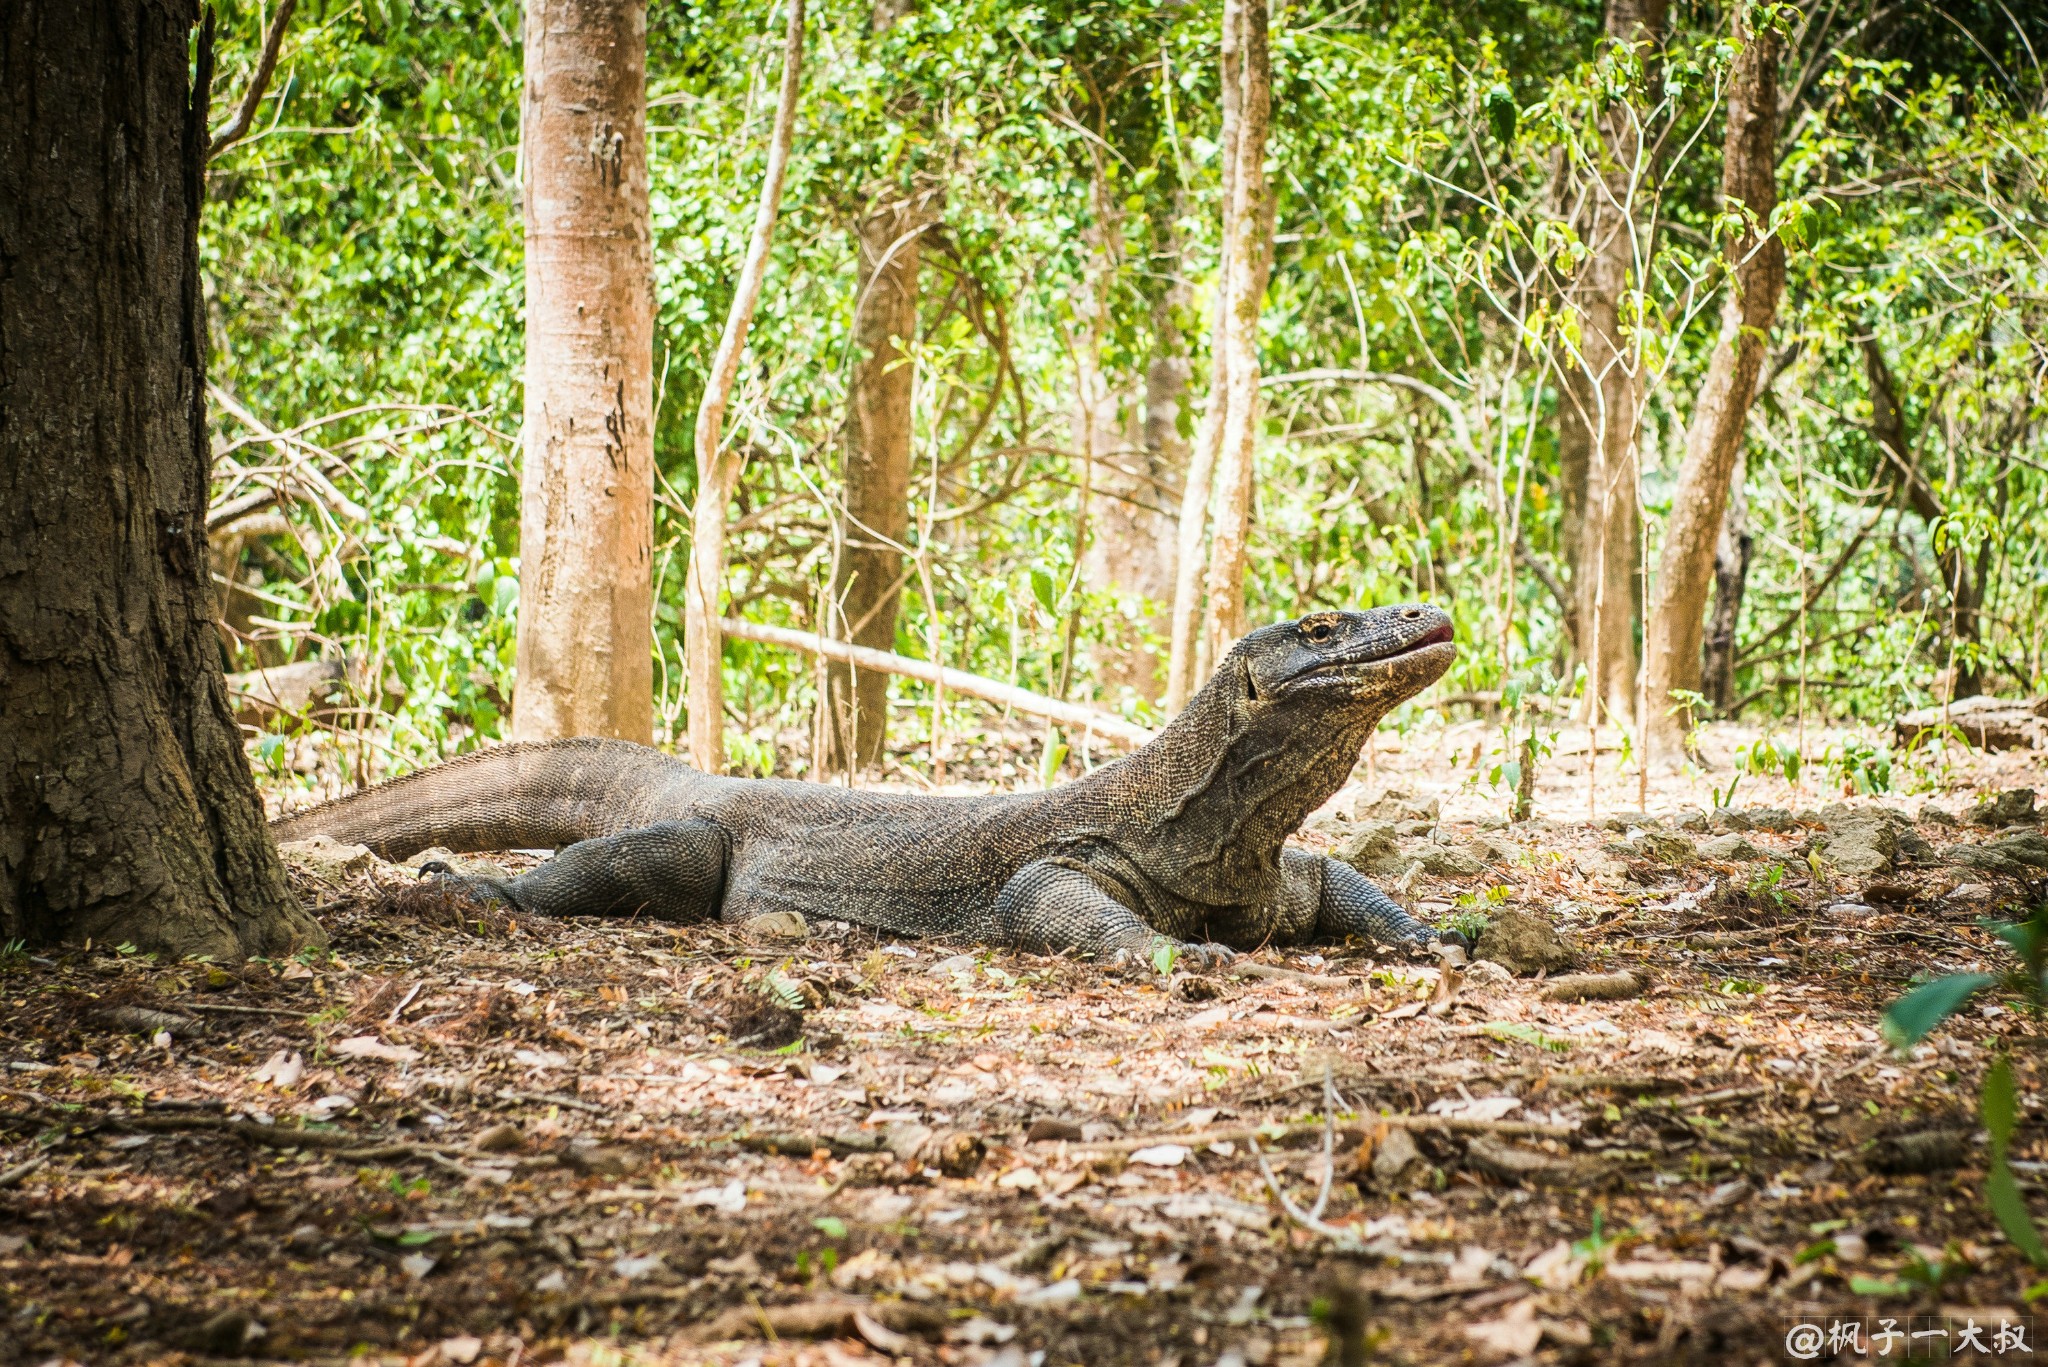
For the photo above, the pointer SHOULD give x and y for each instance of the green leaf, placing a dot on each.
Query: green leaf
(831, 1226)
(1878, 1286)
(1527, 1034)
(2000, 1103)
(1501, 113)
(1908, 1020)
(2002, 1194)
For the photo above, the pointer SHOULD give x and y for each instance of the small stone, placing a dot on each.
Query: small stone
(1486, 973)
(1443, 861)
(1623, 822)
(1696, 822)
(779, 925)
(1392, 1159)
(1395, 805)
(1410, 830)
(1729, 819)
(1931, 815)
(1729, 849)
(944, 968)
(500, 1139)
(2013, 807)
(1969, 892)
(325, 858)
(1522, 943)
(2025, 848)
(1491, 849)
(1664, 847)
(1372, 850)
(1047, 1128)
(1773, 819)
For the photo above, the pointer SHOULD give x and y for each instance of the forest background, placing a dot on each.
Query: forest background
(1436, 173)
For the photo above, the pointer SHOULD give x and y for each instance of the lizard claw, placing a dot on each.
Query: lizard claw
(486, 891)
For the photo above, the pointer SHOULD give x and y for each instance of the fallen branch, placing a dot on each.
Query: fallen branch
(1022, 700)
(1270, 973)
(1448, 1124)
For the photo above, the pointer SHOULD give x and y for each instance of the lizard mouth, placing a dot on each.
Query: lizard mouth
(1438, 642)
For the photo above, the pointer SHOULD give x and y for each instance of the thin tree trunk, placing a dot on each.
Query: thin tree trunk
(1608, 578)
(1184, 624)
(1130, 554)
(1246, 268)
(1895, 445)
(876, 481)
(1713, 441)
(1732, 552)
(587, 487)
(127, 810)
(717, 470)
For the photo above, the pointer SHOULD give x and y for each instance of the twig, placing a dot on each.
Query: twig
(1247, 969)
(21, 1170)
(259, 81)
(1448, 1124)
(245, 1010)
(1312, 1218)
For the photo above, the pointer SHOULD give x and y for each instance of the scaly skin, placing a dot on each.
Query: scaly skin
(1180, 843)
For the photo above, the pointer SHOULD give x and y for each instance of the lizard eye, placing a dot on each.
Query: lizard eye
(1318, 631)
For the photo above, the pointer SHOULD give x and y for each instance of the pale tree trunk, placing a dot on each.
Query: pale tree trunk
(719, 470)
(587, 486)
(127, 810)
(1246, 266)
(1130, 550)
(875, 479)
(1713, 441)
(1184, 629)
(1732, 551)
(1608, 578)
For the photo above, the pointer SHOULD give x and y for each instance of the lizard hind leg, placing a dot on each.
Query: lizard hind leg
(1051, 905)
(670, 871)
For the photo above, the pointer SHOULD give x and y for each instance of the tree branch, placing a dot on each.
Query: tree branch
(259, 82)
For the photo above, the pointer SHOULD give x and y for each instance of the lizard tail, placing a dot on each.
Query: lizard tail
(539, 796)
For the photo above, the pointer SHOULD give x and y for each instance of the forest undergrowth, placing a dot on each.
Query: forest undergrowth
(456, 1138)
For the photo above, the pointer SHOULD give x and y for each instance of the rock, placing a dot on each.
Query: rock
(2026, 847)
(305, 688)
(1394, 1159)
(1486, 973)
(1656, 845)
(1969, 892)
(1729, 849)
(2013, 807)
(1443, 861)
(326, 859)
(1987, 723)
(1986, 859)
(1522, 943)
(1774, 819)
(944, 968)
(1922, 1151)
(1931, 815)
(1491, 849)
(505, 1138)
(1696, 822)
(1371, 849)
(1862, 841)
(1623, 822)
(1192, 987)
(1395, 805)
(1047, 1128)
(787, 925)
(1729, 819)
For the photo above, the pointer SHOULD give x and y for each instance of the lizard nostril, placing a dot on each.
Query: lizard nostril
(1411, 614)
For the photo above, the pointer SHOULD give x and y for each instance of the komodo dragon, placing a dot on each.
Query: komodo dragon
(1181, 842)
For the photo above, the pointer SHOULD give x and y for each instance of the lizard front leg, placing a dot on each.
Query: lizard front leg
(1352, 905)
(671, 871)
(1054, 905)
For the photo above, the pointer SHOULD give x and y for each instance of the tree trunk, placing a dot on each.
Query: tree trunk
(1720, 414)
(587, 507)
(719, 470)
(1608, 578)
(1192, 529)
(1246, 267)
(876, 480)
(1895, 448)
(1732, 552)
(127, 811)
(1130, 553)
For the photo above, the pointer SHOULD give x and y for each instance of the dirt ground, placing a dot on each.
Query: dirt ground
(463, 1139)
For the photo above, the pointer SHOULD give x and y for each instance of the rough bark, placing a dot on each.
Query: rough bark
(719, 470)
(587, 489)
(1713, 439)
(127, 810)
(1895, 448)
(1607, 582)
(875, 478)
(1192, 529)
(1130, 554)
(1246, 266)
(1732, 552)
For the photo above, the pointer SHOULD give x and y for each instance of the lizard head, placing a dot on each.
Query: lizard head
(1355, 662)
